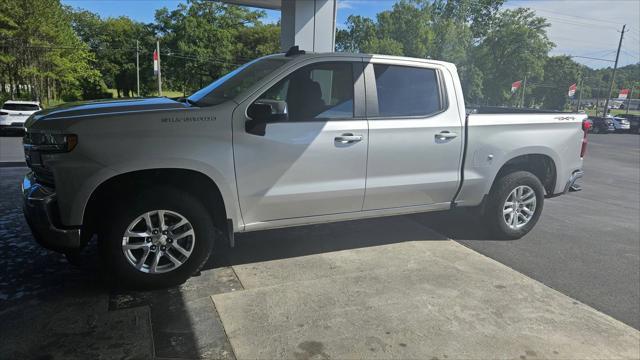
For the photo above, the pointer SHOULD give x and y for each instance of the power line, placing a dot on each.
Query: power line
(211, 60)
(50, 47)
(182, 53)
(591, 58)
(579, 24)
(573, 16)
(168, 52)
(584, 41)
(635, 56)
(600, 54)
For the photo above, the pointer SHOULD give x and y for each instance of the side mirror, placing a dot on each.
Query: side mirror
(259, 112)
(263, 112)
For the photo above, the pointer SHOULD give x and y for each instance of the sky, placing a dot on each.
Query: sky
(588, 28)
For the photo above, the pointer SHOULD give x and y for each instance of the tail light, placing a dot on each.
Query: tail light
(586, 125)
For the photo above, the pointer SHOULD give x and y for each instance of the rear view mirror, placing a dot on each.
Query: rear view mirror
(263, 112)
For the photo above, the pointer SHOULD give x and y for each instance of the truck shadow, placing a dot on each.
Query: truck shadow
(297, 241)
(458, 224)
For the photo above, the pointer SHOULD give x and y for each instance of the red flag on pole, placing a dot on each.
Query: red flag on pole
(515, 86)
(155, 63)
(572, 90)
(623, 93)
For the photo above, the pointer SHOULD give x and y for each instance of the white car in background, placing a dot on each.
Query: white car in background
(621, 124)
(14, 113)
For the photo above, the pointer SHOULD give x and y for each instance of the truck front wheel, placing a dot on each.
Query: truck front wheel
(157, 238)
(514, 205)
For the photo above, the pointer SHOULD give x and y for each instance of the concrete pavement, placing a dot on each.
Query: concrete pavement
(430, 300)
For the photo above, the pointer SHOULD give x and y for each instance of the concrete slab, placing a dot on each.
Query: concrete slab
(429, 300)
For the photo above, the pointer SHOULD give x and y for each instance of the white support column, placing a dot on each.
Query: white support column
(310, 24)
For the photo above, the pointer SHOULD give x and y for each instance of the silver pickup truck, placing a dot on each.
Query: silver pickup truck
(285, 140)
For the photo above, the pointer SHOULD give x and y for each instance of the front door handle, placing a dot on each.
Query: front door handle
(446, 135)
(348, 138)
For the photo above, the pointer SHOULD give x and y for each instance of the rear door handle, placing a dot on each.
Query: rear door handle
(446, 135)
(347, 138)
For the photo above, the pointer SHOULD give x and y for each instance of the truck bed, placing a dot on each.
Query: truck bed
(492, 139)
(509, 110)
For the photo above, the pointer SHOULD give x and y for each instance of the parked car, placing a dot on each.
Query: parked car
(14, 113)
(601, 125)
(620, 124)
(634, 122)
(285, 140)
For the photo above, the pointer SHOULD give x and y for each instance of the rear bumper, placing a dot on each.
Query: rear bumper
(572, 182)
(12, 126)
(40, 211)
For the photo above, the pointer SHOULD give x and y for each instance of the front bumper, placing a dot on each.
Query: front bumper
(41, 211)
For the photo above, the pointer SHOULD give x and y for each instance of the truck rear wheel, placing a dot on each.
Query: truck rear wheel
(514, 205)
(157, 238)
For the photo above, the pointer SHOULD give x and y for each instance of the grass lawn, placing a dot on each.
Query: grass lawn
(614, 112)
(166, 93)
(169, 94)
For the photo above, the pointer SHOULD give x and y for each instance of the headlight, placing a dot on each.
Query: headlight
(50, 142)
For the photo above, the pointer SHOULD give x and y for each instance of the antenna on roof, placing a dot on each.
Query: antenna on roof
(295, 50)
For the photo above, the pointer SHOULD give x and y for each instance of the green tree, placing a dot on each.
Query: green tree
(408, 23)
(113, 42)
(480, 15)
(357, 36)
(42, 58)
(559, 73)
(515, 47)
(447, 30)
(204, 40)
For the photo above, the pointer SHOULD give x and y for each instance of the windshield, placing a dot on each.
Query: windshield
(237, 81)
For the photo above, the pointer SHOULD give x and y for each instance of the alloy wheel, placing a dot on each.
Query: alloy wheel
(158, 241)
(519, 207)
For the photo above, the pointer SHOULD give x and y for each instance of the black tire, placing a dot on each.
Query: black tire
(120, 272)
(493, 209)
(596, 130)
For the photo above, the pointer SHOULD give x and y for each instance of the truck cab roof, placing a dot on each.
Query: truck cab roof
(22, 102)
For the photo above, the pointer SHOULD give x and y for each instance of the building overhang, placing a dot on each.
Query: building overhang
(264, 4)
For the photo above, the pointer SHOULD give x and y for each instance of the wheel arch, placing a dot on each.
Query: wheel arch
(194, 182)
(543, 166)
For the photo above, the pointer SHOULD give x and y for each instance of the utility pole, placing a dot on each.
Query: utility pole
(138, 66)
(597, 102)
(524, 88)
(580, 94)
(159, 71)
(613, 76)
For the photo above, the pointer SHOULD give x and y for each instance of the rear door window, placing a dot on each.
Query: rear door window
(406, 91)
(20, 107)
